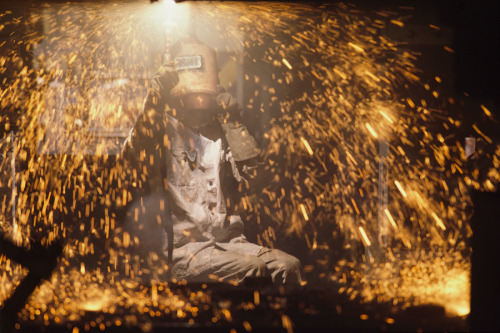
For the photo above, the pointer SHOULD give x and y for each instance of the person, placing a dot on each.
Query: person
(193, 153)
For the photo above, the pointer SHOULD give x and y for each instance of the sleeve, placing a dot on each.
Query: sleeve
(143, 151)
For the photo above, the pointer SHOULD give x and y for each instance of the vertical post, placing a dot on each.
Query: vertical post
(382, 194)
(240, 79)
(167, 57)
(15, 228)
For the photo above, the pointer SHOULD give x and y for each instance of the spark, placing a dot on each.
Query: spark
(340, 73)
(398, 23)
(364, 237)
(287, 64)
(355, 206)
(256, 297)
(372, 76)
(449, 49)
(400, 188)
(386, 117)
(391, 219)
(306, 144)
(356, 47)
(304, 212)
(247, 326)
(371, 130)
(439, 222)
(287, 323)
(481, 133)
(486, 111)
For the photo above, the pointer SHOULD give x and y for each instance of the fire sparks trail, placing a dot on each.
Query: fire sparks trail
(400, 188)
(378, 155)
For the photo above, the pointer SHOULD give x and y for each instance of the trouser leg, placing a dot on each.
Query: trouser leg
(229, 266)
(284, 268)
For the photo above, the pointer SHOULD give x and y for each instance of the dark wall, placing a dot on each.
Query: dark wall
(476, 42)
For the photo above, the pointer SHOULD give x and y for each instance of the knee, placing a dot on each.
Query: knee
(291, 265)
(288, 271)
(255, 267)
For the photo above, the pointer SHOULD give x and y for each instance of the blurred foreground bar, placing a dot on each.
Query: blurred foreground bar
(485, 274)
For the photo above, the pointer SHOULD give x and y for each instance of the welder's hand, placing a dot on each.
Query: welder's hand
(165, 79)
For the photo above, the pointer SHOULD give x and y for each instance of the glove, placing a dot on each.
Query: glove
(243, 146)
(164, 80)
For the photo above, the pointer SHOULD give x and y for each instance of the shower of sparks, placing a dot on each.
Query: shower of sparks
(92, 64)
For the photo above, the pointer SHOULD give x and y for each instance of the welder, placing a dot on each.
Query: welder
(194, 157)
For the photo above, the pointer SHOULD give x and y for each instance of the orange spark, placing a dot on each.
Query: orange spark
(439, 222)
(304, 212)
(287, 64)
(356, 47)
(386, 117)
(398, 23)
(400, 188)
(371, 130)
(364, 236)
(306, 144)
(482, 134)
(389, 216)
(449, 49)
(486, 111)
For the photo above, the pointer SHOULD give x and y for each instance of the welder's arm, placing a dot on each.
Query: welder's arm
(143, 149)
(162, 83)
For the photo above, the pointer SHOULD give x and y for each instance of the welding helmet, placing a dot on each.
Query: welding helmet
(196, 65)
